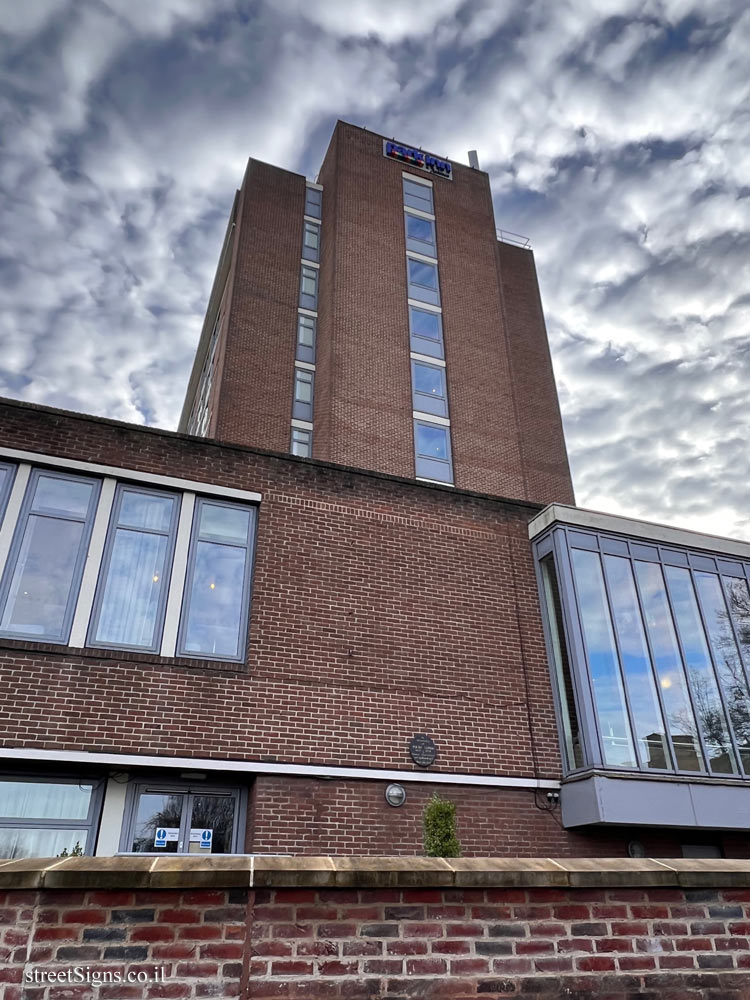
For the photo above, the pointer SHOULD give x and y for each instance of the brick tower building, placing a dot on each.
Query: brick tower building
(355, 575)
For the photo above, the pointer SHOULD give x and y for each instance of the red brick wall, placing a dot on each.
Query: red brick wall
(505, 426)
(542, 445)
(254, 404)
(375, 943)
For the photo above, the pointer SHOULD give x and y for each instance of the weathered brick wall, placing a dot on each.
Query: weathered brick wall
(587, 944)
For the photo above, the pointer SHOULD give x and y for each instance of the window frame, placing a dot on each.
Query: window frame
(313, 208)
(12, 468)
(303, 352)
(308, 300)
(414, 243)
(247, 581)
(89, 825)
(310, 252)
(104, 564)
(428, 346)
(424, 402)
(301, 409)
(187, 789)
(301, 430)
(410, 179)
(420, 457)
(19, 531)
(418, 291)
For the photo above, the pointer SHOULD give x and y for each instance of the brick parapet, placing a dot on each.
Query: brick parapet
(366, 928)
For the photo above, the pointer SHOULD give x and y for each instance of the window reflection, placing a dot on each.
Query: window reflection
(571, 730)
(157, 811)
(669, 669)
(727, 659)
(700, 671)
(636, 662)
(604, 668)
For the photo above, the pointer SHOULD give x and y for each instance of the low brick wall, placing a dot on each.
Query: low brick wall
(593, 929)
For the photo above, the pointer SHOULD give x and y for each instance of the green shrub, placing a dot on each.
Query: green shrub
(440, 837)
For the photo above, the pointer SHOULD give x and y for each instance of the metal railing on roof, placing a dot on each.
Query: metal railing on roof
(506, 236)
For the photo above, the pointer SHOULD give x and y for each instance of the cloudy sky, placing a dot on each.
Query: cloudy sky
(616, 134)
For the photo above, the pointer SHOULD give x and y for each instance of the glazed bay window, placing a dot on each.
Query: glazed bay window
(649, 645)
(87, 560)
(41, 818)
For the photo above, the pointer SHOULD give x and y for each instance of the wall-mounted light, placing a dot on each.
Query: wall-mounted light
(395, 795)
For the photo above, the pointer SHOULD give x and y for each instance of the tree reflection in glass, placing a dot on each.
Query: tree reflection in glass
(700, 671)
(727, 659)
(157, 810)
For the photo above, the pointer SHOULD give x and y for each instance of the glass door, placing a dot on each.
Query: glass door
(183, 821)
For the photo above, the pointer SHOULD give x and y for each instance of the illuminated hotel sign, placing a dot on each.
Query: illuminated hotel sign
(416, 158)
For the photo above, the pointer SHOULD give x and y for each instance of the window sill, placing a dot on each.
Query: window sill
(95, 654)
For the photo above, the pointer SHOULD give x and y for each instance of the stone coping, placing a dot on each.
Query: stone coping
(269, 871)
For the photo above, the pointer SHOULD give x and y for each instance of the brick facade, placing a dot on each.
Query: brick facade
(368, 943)
(505, 421)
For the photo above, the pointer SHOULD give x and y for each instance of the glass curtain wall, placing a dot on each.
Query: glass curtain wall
(666, 640)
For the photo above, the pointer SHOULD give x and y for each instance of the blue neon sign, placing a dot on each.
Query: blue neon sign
(416, 158)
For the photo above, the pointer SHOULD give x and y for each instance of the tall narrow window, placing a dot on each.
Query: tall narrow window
(423, 281)
(217, 588)
(129, 607)
(418, 195)
(43, 574)
(302, 408)
(308, 288)
(428, 389)
(432, 450)
(568, 713)
(306, 339)
(313, 201)
(301, 442)
(420, 234)
(311, 241)
(426, 332)
(7, 474)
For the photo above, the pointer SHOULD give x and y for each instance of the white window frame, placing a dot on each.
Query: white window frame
(110, 477)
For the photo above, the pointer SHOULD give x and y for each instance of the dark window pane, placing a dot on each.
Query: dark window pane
(43, 577)
(128, 615)
(609, 697)
(636, 662)
(64, 496)
(44, 800)
(417, 195)
(306, 331)
(303, 386)
(700, 671)
(571, 729)
(669, 668)
(216, 601)
(727, 659)
(162, 812)
(216, 814)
